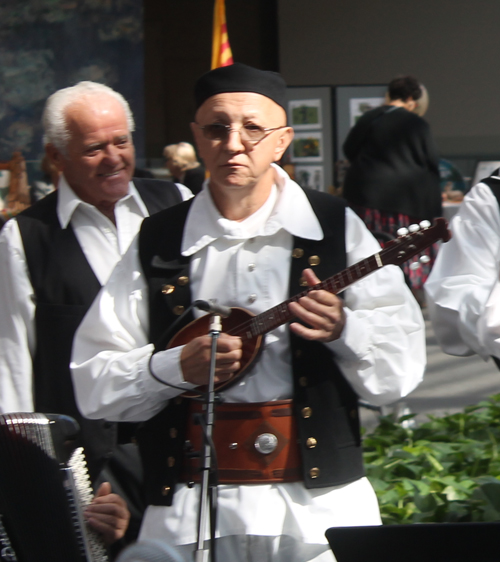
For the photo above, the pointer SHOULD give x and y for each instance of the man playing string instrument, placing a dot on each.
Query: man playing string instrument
(251, 239)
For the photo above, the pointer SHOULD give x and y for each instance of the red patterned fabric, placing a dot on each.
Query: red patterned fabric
(389, 223)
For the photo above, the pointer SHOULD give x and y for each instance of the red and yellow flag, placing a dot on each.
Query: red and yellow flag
(221, 50)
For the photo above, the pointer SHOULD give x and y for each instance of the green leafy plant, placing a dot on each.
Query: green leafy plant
(447, 469)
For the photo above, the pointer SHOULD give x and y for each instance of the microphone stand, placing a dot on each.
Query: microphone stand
(208, 488)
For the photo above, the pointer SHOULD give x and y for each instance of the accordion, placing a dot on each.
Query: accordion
(44, 489)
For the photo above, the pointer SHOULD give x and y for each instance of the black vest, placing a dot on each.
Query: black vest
(319, 387)
(65, 287)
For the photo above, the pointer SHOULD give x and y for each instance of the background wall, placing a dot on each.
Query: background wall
(178, 49)
(452, 46)
(50, 44)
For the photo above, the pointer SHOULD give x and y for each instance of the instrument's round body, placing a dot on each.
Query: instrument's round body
(236, 324)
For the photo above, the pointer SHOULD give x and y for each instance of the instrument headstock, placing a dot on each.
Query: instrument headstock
(412, 240)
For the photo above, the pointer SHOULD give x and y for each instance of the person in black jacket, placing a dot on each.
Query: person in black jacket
(393, 177)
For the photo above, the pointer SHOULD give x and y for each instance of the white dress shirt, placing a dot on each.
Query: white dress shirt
(103, 244)
(463, 287)
(381, 352)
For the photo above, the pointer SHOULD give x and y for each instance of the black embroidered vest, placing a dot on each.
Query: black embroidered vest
(65, 286)
(324, 402)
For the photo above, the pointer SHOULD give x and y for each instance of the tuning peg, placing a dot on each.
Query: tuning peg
(414, 265)
(424, 259)
(402, 231)
(413, 228)
(424, 224)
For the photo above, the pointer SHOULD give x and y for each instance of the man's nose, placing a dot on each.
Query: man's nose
(234, 142)
(111, 154)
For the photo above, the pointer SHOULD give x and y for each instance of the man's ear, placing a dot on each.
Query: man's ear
(55, 157)
(284, 140)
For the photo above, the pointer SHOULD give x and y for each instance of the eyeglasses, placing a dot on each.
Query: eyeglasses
(249, 133)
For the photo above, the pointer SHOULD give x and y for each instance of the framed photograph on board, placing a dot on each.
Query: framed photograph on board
(305, 114)
(358, 106)
(350, 103)
(307, 147)
(309, 176)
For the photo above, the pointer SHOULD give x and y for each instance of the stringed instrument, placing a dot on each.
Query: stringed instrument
(251, 328)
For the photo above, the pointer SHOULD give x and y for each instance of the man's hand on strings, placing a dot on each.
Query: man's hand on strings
(322, 311)
(195, 359)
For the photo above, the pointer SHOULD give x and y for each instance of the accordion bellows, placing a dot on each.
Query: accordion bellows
(44, 489)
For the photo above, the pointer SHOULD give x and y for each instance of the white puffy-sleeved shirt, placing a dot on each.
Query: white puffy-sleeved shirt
(103, 244)
(463, 288)
(381, 352)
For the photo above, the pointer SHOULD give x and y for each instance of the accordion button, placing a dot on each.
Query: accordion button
(165, 490)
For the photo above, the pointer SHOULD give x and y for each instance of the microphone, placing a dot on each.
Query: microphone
(212, 307)
(150, 551)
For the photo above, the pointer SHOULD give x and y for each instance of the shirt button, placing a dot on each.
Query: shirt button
(252, 298)
(251, 267)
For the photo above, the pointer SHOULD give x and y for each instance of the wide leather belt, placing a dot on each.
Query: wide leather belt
(254, 443)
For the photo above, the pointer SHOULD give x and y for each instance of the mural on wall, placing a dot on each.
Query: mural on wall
(50, 44)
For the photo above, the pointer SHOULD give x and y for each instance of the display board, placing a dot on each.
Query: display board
(309, 111)
(350, 103)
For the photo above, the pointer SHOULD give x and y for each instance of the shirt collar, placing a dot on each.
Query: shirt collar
(68, 201)
(287, 207)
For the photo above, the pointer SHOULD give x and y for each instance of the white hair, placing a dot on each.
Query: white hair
(54, 115)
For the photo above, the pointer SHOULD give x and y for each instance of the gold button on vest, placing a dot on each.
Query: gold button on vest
(167, 289)
(314, 472)
(306, 412)
(311, 443)
(314, 260)
(182, 281)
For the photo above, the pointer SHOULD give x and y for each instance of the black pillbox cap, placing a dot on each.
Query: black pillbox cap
(239, 77)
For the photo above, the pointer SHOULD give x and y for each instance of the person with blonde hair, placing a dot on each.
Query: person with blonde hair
(182, 163)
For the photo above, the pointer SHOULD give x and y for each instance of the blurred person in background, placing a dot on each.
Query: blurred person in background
(393, 179)
(182, 163)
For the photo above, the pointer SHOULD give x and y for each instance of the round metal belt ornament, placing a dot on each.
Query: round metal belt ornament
(266, 443)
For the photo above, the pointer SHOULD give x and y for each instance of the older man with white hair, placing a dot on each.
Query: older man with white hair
(55, 256)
